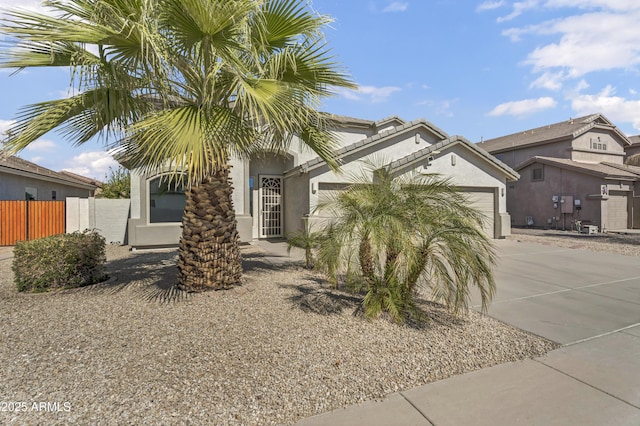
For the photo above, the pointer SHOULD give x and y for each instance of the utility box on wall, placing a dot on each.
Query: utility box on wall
(566, 203)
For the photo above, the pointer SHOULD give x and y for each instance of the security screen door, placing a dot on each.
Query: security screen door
(270, 206)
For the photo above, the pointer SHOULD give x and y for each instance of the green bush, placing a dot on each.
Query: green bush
(60, 261)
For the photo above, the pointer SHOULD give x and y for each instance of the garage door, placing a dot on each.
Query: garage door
(617, 210)
(483, 201)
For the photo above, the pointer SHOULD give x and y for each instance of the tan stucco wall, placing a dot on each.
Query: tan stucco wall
(469, 171)
(392, 149)
(534, 198)
(514, 158)
(582, 150)
(578, 149)
(296, 202)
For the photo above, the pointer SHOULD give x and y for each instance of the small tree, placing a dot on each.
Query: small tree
(396, 234)
(306, 240)
(117, 184)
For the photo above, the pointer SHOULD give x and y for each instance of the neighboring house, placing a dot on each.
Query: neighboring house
(572, 170)
(275, 194)
(21, 179)
(634, 148)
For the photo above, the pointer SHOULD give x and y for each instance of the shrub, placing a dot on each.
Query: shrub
(306, 240)
(396, 235)
(60, 261)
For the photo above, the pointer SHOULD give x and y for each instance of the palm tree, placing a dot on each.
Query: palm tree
(306, 239)
(181, 86)
(393, 235)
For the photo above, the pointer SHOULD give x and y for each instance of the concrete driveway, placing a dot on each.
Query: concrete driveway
(587, 301)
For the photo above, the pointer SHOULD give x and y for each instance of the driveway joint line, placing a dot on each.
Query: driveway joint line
(619, 330)
(535, 252)
(417, 409)
(585, 383)
(565, 290)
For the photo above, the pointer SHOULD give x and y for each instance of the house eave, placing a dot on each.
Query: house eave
(367, 143)
(446, 144)
(12, 171)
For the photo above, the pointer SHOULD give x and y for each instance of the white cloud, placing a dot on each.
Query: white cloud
(616, 5)
(4, 126)
(592, 36)
(589, 43)
(490, 5)
(549, 80)
(396, 6)
(523, 107)
(616, 108)
(582, 85)
(94, 164)
(41, 145)
(519, 8)
(370, 94)
(37, 159)
(29, 5)
(442, 108)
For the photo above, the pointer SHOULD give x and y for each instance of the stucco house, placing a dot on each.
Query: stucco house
(21, 179)
(276, 194)
(634, 148)
(571, 170)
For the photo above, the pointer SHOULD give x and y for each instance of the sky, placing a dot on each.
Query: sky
(479, 69)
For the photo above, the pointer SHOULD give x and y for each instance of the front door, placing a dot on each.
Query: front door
(270, 214)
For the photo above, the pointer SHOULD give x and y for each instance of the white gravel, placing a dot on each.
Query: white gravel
(115, 353)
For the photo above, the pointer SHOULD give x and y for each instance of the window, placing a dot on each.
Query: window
(30, 193)
(166, 200)
(53, 195)
(596, 144)
(537, 173)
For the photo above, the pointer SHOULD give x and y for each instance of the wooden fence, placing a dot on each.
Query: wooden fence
(28, 220)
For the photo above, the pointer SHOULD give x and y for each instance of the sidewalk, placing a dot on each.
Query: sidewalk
(589, 302)
(6, 252)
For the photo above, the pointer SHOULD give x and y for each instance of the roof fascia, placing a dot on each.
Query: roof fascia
(451, 142)
(572, 168)
(372, 141)
(12, 171)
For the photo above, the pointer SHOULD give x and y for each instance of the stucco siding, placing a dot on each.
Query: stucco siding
(383, 153)
(296, 202)
(12, 187)
(617, 210)
(514, 158)
(534, 198)
(597, 146)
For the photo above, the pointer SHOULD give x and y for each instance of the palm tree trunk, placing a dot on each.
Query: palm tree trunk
(366, 261)
(209, 252)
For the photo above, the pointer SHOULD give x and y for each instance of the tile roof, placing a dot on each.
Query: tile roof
(635, 140)
(81, 178)
(550, 133)
(605, 170)
(20, 165)
(370, 141)
(346, 120)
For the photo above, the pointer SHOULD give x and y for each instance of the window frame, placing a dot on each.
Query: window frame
(534, 169)
(151, 218)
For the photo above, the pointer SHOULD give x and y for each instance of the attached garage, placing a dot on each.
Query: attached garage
(483, 200)
(617, 211)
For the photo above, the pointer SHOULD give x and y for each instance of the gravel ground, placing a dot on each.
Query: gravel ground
(617, 243)
(120, 353)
